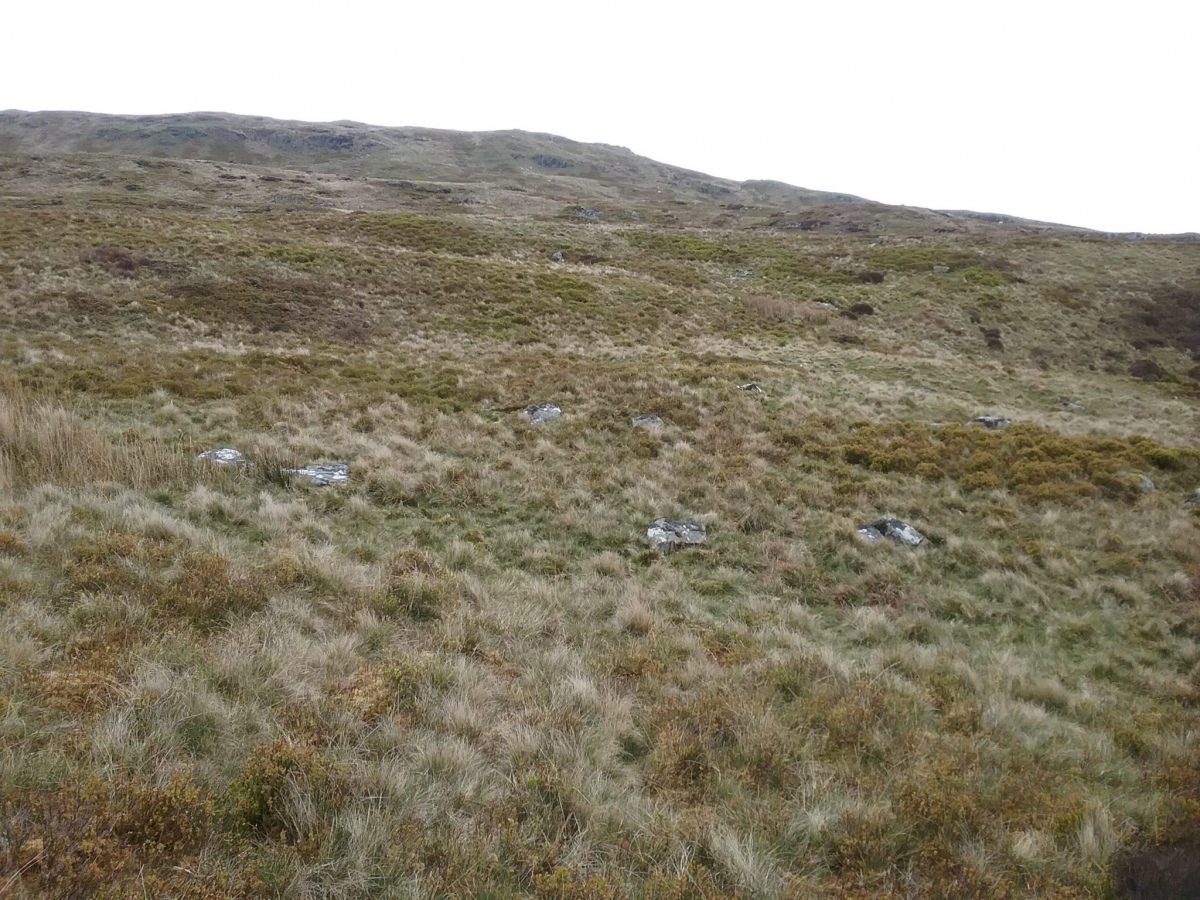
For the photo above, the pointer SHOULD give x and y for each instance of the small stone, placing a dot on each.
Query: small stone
(557, 257)
(741, 274)
(542, 412)
(896, 529)
(587, 212)
(940, 270)
(668, 535)
(649, 420)
(825, 304)
(992, 422)
(1071, 405)
(1147, 484)
(751, 387)
(323, 473)
(226, 456)
(635, 215)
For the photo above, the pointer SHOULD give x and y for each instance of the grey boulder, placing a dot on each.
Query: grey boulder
(540, 413)
(323, 473)
(896, 529)
(225, 456)
(668, 535)
(649, 420)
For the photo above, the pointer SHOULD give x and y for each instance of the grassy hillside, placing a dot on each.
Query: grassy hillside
(465, 673)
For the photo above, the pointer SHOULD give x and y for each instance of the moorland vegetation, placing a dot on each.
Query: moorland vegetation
(465, 673)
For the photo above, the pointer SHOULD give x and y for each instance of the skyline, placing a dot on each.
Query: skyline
(1030, 110)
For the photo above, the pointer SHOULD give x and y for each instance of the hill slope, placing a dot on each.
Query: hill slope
(464, 672)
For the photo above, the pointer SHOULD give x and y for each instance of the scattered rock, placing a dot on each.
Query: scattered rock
(741, 274)
(940, 270)
(896, 529)
(1146, 369)
(862, 309)
(1071, 405)
(587, 212)
(635, 215)
(226, 456)
(825, 304)
(991, 337)
(751, 387)
(668, 535)
(992, 422)
(1147, 484)
(323, 473)
(542, 412)
(557, 257)
(649, 420)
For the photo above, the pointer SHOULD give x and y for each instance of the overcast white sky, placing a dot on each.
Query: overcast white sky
(1082, 112)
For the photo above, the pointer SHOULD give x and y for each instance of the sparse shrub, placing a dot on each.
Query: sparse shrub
(207, 590)
(418, 586)
(96, 838)
(261, 797)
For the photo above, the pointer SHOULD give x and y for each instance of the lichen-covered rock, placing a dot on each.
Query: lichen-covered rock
(649, 420)
(323, 473)
(668, 535)
(225, 456)
(896, 529)
(540, 413)
(992, 422)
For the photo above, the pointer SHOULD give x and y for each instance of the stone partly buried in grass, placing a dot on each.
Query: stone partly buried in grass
(323, 473)
(540, 413)
(899, 531)
(649, 420)
(992, 422)
(668, 535)
(225, 456)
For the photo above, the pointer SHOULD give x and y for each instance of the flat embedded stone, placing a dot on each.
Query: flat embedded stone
(323, 473)
(896, 529)
(225, 456)
(668, 535)
(539, 413)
